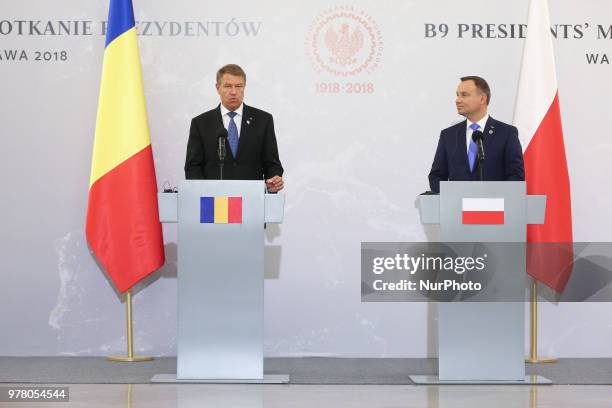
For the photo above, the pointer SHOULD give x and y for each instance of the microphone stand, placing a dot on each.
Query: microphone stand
(478, 138)
(221, 152)
(480, 165)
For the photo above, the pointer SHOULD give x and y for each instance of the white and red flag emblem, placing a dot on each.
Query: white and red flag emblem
(482, 210)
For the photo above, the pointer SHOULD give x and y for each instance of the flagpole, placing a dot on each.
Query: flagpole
(533, 393)
(130, 341)
(533, 354)
(129, 396)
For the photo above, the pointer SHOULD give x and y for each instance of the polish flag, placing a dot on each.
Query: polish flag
(482, 210)
(538, 119)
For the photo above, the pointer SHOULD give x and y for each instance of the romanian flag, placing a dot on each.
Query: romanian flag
(220, 210)
(123, 228)
(482, 210)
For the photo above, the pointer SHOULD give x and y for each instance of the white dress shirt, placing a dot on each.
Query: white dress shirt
(237, 118)
(468, 131)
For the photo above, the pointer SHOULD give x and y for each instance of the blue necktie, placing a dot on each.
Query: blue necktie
(232, 134)
(473, 149)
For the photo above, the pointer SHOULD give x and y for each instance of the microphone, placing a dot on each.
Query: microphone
(221, 151)
(477, 137)
(222, 135)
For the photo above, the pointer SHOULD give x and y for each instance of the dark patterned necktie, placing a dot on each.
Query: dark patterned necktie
(232, 133)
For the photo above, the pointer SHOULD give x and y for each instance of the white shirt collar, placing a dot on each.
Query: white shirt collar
(224, 110)
(468, 130)
(482, 123)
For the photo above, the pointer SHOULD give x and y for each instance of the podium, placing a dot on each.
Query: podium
(220, 279)
(483, 342)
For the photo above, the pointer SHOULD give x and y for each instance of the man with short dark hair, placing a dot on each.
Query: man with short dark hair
(252, 152)
(455, 157)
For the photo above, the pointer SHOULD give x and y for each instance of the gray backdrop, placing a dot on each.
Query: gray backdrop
(354, 160)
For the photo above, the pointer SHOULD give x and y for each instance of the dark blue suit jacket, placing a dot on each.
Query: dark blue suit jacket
(503, 155)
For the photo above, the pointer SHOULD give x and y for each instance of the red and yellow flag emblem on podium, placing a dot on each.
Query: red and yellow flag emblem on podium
(123, 228)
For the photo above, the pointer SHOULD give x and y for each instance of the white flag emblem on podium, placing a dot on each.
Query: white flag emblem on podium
(482, 210)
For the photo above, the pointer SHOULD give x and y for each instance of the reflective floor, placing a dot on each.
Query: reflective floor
(323, 396)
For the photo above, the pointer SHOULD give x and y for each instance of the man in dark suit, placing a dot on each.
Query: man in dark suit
(252, 153)
(455, 157)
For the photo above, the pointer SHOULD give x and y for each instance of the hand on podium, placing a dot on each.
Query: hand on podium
(275, 184)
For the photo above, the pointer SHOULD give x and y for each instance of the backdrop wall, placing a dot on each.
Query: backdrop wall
(356, 131)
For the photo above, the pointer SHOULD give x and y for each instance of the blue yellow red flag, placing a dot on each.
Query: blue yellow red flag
(122, 226)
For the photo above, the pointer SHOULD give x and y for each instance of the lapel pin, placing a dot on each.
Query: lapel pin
(491, 131)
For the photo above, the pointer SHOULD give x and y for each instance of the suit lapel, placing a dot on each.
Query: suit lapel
(245, 124)
(218, 118)
(462, 145)
(488, 132)
(218, 125)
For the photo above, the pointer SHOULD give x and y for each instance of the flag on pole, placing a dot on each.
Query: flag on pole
(538, 119)
(122, 226)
